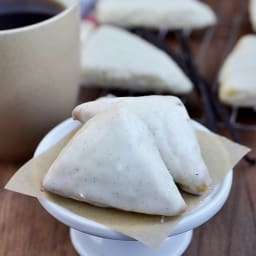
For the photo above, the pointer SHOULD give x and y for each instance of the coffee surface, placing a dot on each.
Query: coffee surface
(15, 14)
(22, 19)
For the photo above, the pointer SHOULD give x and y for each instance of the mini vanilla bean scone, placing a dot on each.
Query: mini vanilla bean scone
(115, 58)
(156, 14)
(113, 161)
(237, 76)
(252, 11)
(171, 128)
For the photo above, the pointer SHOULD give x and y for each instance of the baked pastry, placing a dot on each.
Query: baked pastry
(156, 14)
(170, 125)
(252, 11)
(237, 76)
(113, 162)
(115, 58)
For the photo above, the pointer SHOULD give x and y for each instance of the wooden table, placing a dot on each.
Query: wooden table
(26, 229)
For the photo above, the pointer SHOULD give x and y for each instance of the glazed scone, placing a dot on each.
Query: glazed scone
(115, 58)
(237, 76)
(157, 14)
(170, 125)
(104, 165)
(252, 11)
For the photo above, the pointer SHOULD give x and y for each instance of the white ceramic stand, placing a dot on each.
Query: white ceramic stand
(87, 245)
(93, 239)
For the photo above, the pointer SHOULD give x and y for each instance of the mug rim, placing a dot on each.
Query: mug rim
(68, 8)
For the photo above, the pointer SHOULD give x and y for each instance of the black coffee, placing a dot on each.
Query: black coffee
(21, 13)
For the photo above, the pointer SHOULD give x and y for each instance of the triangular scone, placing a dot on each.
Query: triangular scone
(157, 14)
(115, 58)
(113, 162)
(252, 11)
(238, 74)
(171, 127)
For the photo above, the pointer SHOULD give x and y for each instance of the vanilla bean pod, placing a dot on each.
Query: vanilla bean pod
(209, 114)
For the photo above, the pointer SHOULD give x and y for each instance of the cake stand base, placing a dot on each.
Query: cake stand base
(87, 245)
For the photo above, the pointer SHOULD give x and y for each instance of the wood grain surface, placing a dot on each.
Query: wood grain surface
(27, 230)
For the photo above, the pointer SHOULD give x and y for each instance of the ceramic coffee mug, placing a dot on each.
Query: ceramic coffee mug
(39, 76)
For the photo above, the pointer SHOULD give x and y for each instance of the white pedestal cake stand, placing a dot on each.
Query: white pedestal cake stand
(92, 239)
